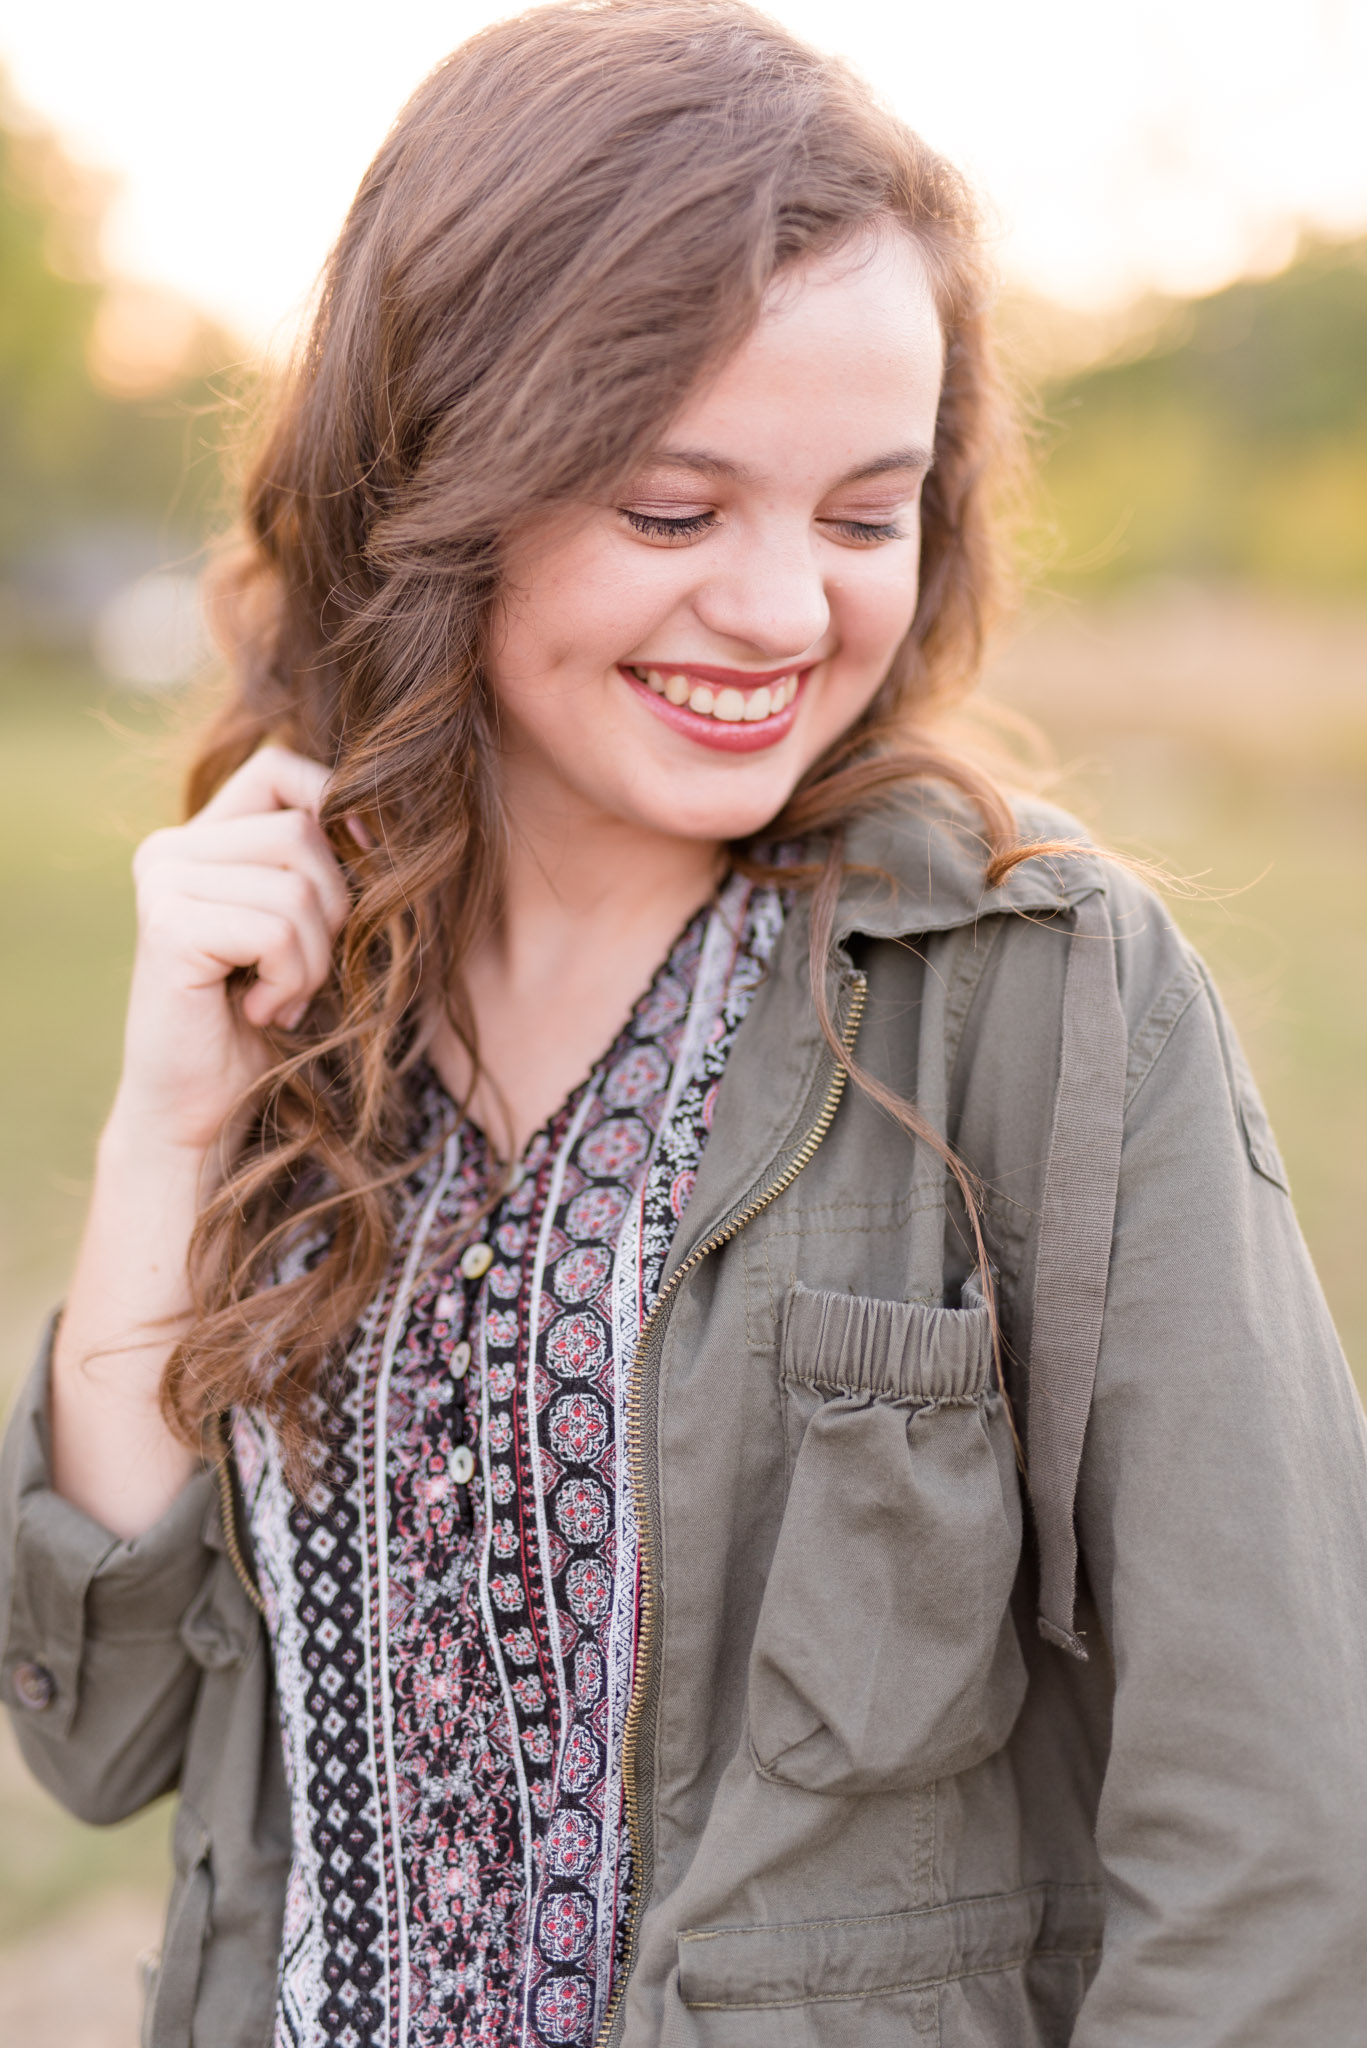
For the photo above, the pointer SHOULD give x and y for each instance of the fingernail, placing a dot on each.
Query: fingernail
(356, 826)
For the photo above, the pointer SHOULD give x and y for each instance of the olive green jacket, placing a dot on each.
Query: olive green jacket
(872, 1802)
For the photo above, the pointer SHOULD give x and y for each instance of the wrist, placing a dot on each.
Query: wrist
(133, 1141)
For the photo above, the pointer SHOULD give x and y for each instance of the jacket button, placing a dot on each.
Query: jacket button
(34, 1686)
(476, 1260)
(462, 1464)
(460, 1360)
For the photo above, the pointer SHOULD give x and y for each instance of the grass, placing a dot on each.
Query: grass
(80, 783)
(1228, 740)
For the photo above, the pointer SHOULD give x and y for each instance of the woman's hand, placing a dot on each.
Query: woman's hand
(249, 883)
(252, 883)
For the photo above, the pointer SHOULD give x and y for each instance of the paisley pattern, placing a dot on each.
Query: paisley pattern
(454, 1613)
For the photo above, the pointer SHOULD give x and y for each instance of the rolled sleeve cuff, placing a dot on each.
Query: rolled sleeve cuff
(63, 1576)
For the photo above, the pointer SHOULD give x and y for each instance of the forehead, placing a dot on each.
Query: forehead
(843, 364)
(878, 279)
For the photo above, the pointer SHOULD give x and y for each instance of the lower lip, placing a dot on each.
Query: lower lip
(722, 737)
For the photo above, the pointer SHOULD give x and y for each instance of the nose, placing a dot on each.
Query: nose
(764, 592)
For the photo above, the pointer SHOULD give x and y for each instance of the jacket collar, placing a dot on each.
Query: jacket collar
(927, 851)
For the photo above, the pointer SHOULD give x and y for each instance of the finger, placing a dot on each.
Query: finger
(282, 891)
(275, 778)
(291, 840)
(205, 942)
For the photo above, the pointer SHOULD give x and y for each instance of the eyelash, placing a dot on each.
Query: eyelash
(867, 529)
(656, 528)
(670, 529)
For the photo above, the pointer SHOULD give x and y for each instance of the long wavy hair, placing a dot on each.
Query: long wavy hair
(575, 217)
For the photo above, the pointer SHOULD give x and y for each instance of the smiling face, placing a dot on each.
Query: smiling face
(678, 659)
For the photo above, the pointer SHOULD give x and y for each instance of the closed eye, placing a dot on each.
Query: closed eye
(866, 531)
(654, 527)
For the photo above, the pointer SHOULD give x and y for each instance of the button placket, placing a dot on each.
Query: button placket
(462, 1464)
(460, 1309)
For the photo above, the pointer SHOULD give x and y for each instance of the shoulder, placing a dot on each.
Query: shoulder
(919, 866)
(929, 848)
(917, 863)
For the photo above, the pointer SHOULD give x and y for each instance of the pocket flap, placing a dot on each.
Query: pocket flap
(864, 1958)
(908, 1350)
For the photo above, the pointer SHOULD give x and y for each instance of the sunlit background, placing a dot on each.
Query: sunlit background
(1178, 199)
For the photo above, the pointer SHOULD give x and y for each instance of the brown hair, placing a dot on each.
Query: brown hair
(575, 215)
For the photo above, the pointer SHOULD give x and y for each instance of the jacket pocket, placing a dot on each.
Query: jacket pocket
(971, 1970)
(885, 1655)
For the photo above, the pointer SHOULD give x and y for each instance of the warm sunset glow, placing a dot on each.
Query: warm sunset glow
(1168, 146)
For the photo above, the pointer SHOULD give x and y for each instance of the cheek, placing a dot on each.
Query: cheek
(876, 607)
(540, 619)
(581, 610)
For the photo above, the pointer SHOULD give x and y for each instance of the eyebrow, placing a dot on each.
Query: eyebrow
(705, 464)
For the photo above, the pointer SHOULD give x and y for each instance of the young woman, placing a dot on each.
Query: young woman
(631, 1166)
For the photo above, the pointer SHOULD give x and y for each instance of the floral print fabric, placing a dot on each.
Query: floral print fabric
(454, 1615)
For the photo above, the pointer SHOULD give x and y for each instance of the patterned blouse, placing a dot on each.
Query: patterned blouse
(453, 1615)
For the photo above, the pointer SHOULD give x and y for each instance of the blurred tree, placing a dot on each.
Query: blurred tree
(1231, 444)
(82, 465)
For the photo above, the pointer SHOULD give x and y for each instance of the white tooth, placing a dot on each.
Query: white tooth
(655, 681)
(758, 704)
(676, 689)
(700, 698)
(789, 689)
(730, 706)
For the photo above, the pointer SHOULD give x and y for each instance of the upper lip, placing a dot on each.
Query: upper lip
(736, 678)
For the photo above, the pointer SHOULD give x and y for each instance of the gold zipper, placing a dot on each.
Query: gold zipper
(645, 1642)
(228, 1516)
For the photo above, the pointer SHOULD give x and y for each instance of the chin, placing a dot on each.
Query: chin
(717, 795)
(724, 813)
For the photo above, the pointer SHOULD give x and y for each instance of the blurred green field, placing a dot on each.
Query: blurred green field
(76, 790)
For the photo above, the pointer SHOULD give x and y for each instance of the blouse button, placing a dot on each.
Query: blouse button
(460, 1360)
(462, 1464)
(34, 1686)
(476, 1260)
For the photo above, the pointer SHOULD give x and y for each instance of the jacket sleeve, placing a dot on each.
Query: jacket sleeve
(1223, 1521)
(94, 1669)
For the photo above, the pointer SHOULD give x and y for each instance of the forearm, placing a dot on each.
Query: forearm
(113, 1455)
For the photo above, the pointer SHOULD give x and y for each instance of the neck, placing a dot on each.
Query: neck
(562, 887)
(574, 873)
(590, 905)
